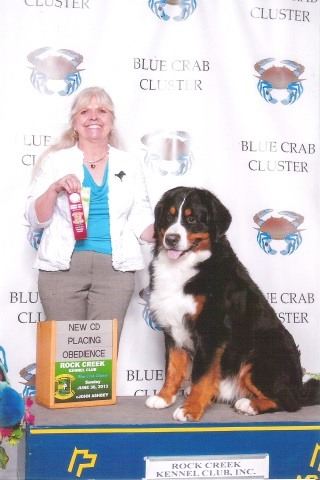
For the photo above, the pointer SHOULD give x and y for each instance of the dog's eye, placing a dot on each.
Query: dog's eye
(190, 219)
(169, 216)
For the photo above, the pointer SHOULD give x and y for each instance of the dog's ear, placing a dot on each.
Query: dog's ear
(220, 216)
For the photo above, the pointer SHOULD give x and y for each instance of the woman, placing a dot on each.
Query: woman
(91, 278)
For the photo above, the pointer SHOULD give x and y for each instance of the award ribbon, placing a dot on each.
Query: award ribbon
(79, 209)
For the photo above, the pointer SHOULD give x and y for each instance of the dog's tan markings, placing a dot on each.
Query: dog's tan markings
(205, 390)
(177, 371)
(204, 241)
(200, 301)
(188, 212)
(203, 245)
(173, 210)
(263, 404)
(259, 402)
(198, 236)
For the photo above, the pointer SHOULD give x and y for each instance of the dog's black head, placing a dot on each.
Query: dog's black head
(189, 219)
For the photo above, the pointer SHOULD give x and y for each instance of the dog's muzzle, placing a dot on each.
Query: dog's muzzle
(171, 241)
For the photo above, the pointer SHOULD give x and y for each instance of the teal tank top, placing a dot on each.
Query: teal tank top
(98, 228)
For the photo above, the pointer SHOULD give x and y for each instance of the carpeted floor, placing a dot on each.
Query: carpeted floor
(132, 410)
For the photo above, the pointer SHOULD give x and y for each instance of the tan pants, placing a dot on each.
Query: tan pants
(90, 290)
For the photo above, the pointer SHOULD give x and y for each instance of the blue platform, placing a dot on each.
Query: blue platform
(112, 442)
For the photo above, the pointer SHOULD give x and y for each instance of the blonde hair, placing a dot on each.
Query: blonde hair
(70, 137)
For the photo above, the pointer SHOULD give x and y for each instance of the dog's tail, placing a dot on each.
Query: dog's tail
(311, 392)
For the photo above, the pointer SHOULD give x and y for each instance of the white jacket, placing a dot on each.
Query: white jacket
(129, 209)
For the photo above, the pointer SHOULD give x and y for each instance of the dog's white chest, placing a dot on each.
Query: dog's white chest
(168, 301)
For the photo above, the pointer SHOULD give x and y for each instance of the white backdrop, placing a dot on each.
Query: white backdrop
(182, 77)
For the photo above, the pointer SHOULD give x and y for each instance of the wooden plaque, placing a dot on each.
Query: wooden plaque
(76, 363)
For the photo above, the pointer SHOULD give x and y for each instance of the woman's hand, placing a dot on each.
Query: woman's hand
(148, 234)
(44, 205)
(68, 183)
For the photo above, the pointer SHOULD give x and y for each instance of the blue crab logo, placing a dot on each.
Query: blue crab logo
(176, 9)
(55, 71)
(144, 294)
(280, 78)
(34, 237)
(284, 228)
(167, 152)
(28, 374)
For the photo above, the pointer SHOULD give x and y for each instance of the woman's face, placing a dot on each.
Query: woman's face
(94, 122)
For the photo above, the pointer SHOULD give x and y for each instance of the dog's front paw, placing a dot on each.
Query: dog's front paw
(180, 414)
(187, 413)
(244, 406)
(158, 402)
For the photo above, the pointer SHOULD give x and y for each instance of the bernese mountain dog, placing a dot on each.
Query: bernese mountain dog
(220, 331)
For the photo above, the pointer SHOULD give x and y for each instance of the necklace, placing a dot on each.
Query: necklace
(92, 163)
